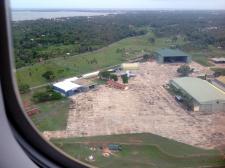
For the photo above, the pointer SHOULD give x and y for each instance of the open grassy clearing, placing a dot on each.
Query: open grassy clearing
(53, 114)
(79, 64)
(59, 50)
(201, 59)
(140, 150)
(203, 56)
(66, 66)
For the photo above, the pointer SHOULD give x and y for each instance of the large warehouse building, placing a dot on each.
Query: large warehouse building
(172, 56)
(207, 98)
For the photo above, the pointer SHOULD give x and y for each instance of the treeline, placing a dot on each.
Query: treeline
(42, 39)
(199, 28)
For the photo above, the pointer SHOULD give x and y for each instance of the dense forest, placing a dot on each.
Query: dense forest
(43, 39)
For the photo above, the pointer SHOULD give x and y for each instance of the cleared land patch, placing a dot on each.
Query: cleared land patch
(145, 107)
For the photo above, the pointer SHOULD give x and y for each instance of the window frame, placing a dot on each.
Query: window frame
(39, 150)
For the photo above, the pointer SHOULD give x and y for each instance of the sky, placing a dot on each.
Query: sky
(119, 4)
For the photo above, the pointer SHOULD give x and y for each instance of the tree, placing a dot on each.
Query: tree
(151, 40)
(174, 39)
(49, 75)
(114, 77)
(125, 78)
(104, 75)
(184, 70)
(24, 88)
(148, 56)
(48, 95)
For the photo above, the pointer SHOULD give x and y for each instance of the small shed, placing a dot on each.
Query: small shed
(218, 60)
(167, 55)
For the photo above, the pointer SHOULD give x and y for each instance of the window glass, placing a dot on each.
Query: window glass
(131, 83)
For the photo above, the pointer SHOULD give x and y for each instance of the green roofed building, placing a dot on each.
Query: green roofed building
(167, 55)
(207, 98)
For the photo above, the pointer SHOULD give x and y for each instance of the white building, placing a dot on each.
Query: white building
(67, 87)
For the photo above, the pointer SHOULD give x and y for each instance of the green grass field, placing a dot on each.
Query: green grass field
(79, 64)
(108, 56)
(141, 150)
(203, 56)
(53, 114)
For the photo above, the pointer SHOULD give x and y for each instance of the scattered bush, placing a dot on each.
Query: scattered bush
(48, 95)
(148, 56)
(48, 75)
(184, 70)
(174, 39)
(151, 40)
(105, 75)
(113, 77)
(24, 88)
(125, 78)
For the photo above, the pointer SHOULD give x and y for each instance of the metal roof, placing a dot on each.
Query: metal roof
(83, 82)
(66, 85)
(201, 90)
(218, 59)
(166, 52)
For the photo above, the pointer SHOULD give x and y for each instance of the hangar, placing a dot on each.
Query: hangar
(207, 98)
(167, 55)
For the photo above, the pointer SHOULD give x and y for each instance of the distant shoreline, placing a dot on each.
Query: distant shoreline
(22, 15)
(35, 14)
(65, 10)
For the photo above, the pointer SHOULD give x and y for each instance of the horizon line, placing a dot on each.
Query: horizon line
(121, 9)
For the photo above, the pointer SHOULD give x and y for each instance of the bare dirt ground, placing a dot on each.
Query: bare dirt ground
(146, 107)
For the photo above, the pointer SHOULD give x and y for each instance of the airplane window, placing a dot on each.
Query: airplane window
(124, 83)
